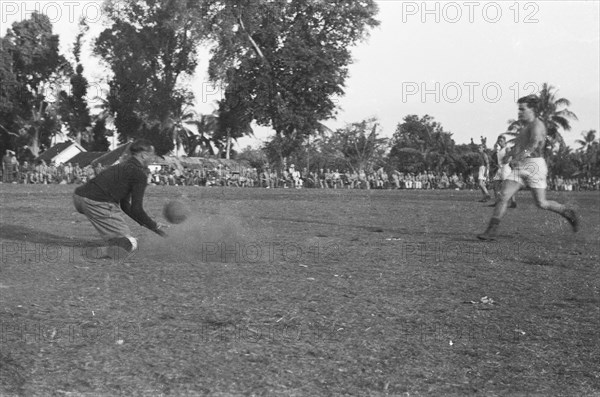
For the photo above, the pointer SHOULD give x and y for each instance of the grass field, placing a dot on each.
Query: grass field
(301, 293)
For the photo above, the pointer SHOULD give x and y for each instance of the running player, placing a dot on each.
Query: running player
(528, 169)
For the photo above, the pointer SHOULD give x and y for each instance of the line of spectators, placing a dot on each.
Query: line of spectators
(292, 178)
(559, 183)
(334, 179)
(170, 175)
(42, 173)
(205, 176)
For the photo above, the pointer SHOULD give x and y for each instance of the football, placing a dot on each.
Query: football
(175, 211)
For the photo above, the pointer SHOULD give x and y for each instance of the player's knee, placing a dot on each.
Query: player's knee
(502, 196)
(78, 204)
(542, 204)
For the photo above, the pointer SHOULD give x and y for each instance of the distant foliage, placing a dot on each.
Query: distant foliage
(149, 46)
(287, 61)
(30, 64)
(421, 144)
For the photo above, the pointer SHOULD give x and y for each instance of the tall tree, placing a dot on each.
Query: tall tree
(30, 53)
(234, 119)
(9, 92)
(149, 47)
(420, 144)
(98, 141)
(288, 59)
(74, 109)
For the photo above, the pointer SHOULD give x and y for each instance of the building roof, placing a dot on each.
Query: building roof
(85, 158)
(55, 150)
(112, 157)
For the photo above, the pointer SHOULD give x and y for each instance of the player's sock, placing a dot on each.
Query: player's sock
(491, 231)
(571, 216)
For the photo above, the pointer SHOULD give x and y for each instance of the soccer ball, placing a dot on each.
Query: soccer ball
(175, 211)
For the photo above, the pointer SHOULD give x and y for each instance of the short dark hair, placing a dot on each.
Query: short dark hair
(141, 145)
(532, 101)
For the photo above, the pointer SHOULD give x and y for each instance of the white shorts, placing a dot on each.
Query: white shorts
(530, 172)
(481, 175)
(503, 172)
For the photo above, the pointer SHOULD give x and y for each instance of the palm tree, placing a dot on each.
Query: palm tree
(206, 125)
(177, 128)
(555, 114)
(588, 140)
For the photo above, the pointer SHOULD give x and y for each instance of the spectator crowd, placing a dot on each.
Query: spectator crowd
(42, 173)
(170, 175)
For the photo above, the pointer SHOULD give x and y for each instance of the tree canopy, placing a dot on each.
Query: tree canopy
(30, 65)
(288, 60)
(149, 46)
(420, 143)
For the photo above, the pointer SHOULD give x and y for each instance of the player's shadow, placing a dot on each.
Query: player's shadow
(34, 236)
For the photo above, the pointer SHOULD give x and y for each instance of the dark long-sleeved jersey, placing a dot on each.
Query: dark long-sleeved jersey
(124, 184)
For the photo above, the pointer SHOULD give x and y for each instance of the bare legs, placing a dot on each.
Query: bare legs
(507, 191)
(497, 187)
(509, 188)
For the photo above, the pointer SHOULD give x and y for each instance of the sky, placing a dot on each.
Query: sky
(465, 63)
